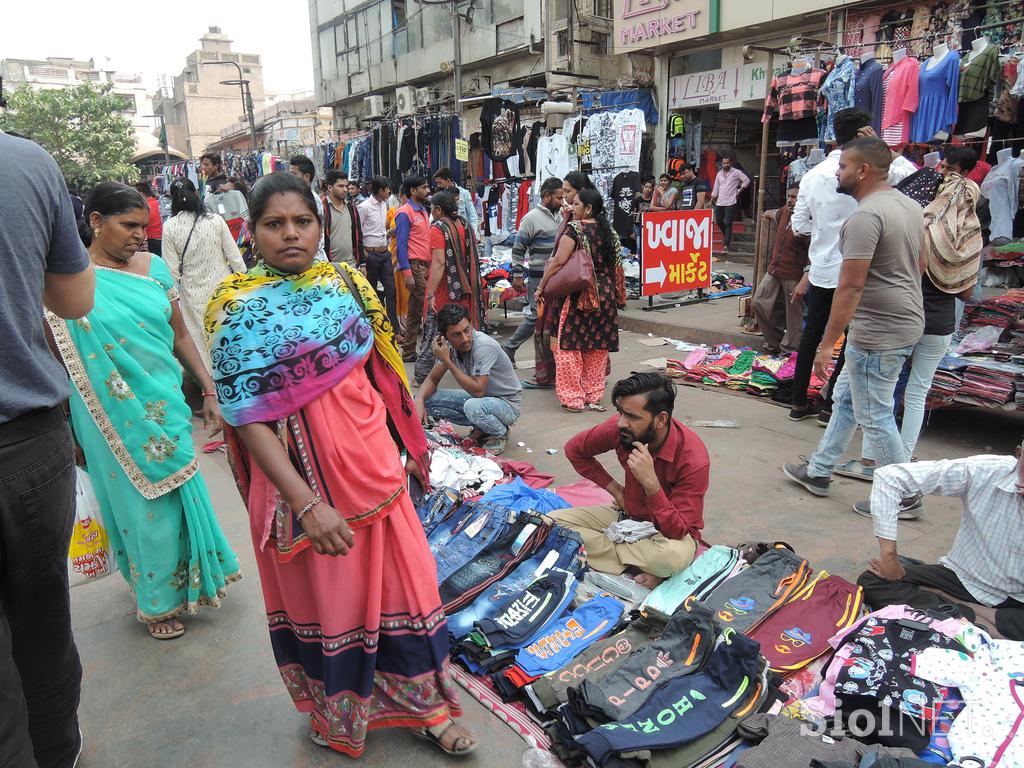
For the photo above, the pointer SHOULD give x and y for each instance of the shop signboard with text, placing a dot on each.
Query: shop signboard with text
(675, 249)
(643, 24)
(748, 82)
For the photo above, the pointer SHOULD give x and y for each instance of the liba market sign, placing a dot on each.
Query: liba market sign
(649, 23)
(714, 86)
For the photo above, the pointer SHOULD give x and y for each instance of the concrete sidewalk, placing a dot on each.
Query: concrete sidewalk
(214, 699)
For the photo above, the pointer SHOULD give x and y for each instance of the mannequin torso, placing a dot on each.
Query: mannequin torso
(899, 55)
(939, 53)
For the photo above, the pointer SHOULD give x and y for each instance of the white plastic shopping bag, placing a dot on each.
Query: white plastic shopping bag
(89, 556)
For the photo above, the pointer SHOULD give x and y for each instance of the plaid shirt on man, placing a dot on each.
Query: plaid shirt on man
(986, 553)
(793, 97)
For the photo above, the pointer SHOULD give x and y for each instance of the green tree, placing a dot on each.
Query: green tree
(82, 127)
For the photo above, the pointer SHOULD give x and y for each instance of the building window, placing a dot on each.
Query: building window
(563, 43)
(511, 34)
(599, 43)
(603, 8)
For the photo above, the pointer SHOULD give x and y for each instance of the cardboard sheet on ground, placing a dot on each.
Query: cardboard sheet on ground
(656, 362)
(657, 341)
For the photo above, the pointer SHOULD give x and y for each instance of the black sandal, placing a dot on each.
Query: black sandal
(435, 734)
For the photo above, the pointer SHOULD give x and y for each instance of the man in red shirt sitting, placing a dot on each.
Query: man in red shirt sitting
(667, 469)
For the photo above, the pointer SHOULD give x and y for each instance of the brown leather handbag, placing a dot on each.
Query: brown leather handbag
(577, 274)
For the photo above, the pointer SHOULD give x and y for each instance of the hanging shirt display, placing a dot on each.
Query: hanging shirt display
(499, 121)
(625, 188)
(868, 92)
(552, 158)
(629, 129)
(900, 88)
(978, 74)
(838, 92)
(938, 88)
(600, 131)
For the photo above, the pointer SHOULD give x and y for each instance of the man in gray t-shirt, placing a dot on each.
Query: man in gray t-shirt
(43, 264)
(879, 300)
(491, 394)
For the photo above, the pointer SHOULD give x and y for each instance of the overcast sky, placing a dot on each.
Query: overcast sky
(154, 38)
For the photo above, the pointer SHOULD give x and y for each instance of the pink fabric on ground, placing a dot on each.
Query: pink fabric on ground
(584, 494)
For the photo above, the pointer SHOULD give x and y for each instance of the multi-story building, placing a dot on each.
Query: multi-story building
(289, 123)
(199, 106)
(373, 47)
(58, 72)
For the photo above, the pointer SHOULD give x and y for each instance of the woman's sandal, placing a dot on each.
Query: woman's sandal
(571, 410)
(596, 407)
(172, 635)
(436, 734)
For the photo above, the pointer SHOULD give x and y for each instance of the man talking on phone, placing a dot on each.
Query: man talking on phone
(491, 395)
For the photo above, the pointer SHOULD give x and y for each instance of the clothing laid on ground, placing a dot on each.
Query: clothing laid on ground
(785, 743)
(798, 632)
(135, 429)
(990, 680)
(529, 613)
(380, 657)
(211, 256)
(683, 709)
(595, 663)
(566, 637)
(748, 598)
(886, 229)
(710, 569)
(683, 648)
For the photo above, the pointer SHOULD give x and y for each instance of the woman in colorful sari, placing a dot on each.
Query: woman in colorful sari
(133, 425)
(315, 394)
(454, 274)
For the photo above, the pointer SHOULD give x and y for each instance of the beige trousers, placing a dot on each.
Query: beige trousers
(657, 555)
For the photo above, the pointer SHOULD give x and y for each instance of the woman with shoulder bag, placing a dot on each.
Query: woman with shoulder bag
(588, 326)
(200, 252)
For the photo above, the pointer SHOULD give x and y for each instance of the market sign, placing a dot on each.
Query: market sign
(715, 86)
(675, 252)
(641, 24)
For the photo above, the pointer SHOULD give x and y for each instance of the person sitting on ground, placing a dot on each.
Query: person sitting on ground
(982, 576)
(491, 396)
(667, 471)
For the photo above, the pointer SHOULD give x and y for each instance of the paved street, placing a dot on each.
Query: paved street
(214, 699)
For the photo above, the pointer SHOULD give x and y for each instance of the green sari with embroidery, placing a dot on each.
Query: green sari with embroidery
(135, 428)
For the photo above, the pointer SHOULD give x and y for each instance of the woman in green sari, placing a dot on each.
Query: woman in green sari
(133, 425)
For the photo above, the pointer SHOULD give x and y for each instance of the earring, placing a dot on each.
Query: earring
(256, 252)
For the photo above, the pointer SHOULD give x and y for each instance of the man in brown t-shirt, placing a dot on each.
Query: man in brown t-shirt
(879, 298)
(780, 313)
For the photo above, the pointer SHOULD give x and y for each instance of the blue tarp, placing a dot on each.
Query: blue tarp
(519, 496)
(615, 101)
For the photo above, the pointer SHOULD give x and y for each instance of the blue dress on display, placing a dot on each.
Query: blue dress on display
(938, 89)
(838, 91)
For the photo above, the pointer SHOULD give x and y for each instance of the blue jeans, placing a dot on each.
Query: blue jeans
(491, 415)
(863, 395)
(457, 541)
(928, 353)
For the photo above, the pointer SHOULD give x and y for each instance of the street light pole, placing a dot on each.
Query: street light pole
(243, 85)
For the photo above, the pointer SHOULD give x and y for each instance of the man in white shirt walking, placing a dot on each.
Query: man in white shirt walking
(982, 576)
(821, 210)
(725, 197)
(373, 217)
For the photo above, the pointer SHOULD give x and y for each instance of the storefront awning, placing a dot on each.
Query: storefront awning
(615, 101)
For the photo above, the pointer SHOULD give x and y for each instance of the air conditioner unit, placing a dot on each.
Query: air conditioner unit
(374, 106)
(425, 96)
(405, 100)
